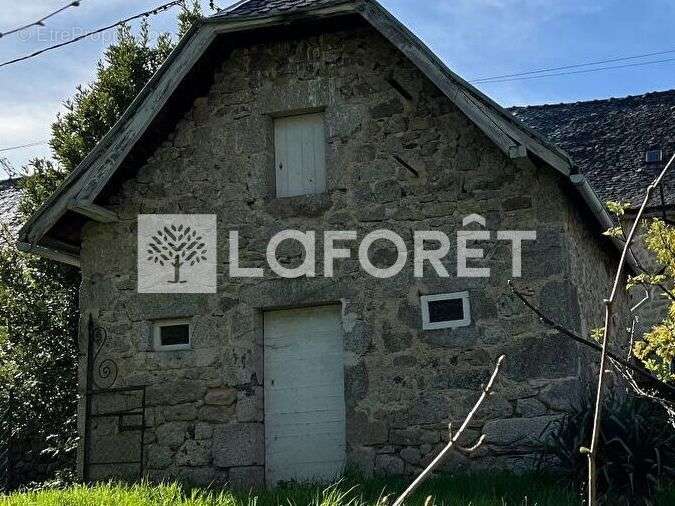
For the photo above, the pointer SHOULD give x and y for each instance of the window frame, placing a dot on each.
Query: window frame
(277, 120)
(157, 327)
(654, 152)
(448, 324)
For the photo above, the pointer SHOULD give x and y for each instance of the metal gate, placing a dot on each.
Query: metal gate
(114, 425)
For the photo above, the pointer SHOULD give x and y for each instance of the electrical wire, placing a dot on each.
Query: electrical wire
(31, 145)
(41, 21)
(584, 71)
(574, 66)
(145, 14)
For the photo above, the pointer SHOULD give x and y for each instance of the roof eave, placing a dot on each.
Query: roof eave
(600, 213)
(57, 255)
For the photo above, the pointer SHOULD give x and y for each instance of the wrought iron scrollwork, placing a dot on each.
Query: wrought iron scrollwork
(105, 401)
(103, 372)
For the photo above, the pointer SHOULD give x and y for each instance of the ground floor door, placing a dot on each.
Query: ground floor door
(304, 395)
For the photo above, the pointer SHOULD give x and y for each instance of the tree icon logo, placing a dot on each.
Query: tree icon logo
(177, 253)
(177, 246)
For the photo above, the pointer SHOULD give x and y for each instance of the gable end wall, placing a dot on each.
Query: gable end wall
(403, 385)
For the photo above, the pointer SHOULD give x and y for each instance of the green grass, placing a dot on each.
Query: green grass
(476, 490)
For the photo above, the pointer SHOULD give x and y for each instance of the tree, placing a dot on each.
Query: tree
(39, 298)
(656, 348)
(127, 66)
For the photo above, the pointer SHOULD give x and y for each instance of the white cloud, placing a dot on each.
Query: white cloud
(25, 123)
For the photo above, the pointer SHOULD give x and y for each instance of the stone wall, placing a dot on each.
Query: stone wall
(403, 385)
(592, 274)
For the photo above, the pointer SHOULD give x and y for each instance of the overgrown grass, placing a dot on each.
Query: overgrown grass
(474, 490)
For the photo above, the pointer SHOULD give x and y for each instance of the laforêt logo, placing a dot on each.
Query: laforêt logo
(177, 253)
(177, 246)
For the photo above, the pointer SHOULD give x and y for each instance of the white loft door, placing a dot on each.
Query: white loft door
(304, 395)
(300, 154)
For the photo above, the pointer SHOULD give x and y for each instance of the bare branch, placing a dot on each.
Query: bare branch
(475, 447)
(653, 395)
(638, 306)
(661, 393)
(453, 440)
(595, 346)
(608, 332)
(663, 287)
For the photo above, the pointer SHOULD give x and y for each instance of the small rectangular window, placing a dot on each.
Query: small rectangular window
(446, 311)
(654, 156)
(172, 335)
(300, 155)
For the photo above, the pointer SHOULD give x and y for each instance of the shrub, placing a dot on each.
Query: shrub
(637, 448)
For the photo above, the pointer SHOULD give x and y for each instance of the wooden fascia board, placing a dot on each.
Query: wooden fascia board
(500, 126)
(89, 179)
(416, 52)
(601, 215)
(505, 131)
(41, 251)
(534, 141)
(103, 165)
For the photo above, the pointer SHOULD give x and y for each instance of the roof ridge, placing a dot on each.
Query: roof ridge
(264, 8)
(11, 181)
(649, 94)
(232, 7)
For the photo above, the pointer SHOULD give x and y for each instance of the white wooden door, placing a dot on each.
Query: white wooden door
(300, 155)
(304, 395)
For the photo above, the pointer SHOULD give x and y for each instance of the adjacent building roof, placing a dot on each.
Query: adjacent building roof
(10, 195)
(609, 140)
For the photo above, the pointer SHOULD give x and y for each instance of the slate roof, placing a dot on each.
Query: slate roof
(261, 8)
(10, 194)
(608, 139)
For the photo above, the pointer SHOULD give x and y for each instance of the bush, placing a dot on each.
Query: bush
(38, 363)
(637, 448)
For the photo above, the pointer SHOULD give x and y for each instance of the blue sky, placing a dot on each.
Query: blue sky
(476, 38)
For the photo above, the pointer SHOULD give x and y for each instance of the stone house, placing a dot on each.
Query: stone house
(271, 379)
